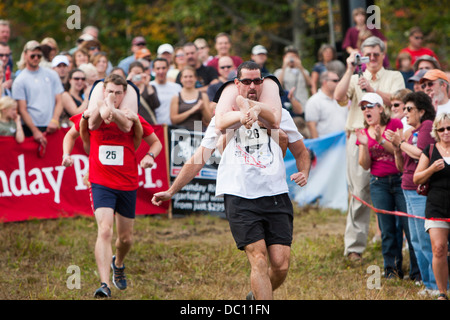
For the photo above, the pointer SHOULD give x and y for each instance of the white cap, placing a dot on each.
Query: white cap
(372, 97)
(258, 49)
(60, 59)
(166, 47)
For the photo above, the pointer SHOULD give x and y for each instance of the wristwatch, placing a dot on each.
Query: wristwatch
(151, 154)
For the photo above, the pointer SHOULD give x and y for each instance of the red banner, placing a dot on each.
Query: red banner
(34, 187)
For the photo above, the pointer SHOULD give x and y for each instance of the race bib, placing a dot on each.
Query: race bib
(254, 136)
(111, 155)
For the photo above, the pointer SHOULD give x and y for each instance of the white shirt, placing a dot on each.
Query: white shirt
(443, 108)
(328, 115)
(165, 93)
(252, 163)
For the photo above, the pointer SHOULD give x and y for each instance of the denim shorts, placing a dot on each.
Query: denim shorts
(122, 202)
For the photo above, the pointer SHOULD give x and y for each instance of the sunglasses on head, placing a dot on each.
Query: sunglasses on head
(247, 82)
(428, 84)
(368, 106)
(443, 129)
(36, 55)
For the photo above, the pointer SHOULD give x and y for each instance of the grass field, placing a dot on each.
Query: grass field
(188, 258)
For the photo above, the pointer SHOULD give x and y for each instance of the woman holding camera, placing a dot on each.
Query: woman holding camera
(149, 99)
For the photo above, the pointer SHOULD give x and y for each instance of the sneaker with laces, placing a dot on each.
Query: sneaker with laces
(103, 291)
(119, 279)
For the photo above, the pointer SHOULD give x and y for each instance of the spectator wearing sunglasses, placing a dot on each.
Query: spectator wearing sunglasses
(377, 154)
(415, 46)
(420, 114)
(73, 99)
(225, 65)
(350, 90)
(38, 93)
(436, 170)
(397, 108)
(436, 85)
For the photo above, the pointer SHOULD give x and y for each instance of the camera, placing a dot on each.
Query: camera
(360, 60)
(137, 77)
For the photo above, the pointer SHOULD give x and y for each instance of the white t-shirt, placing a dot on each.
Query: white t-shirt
(443, 108)
(39, 89)
(252, 164)
(328, 115)
(165, 93)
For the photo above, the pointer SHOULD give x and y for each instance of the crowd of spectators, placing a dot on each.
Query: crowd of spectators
(48, 85)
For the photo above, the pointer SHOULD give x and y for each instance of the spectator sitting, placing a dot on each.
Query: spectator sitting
(10, 124)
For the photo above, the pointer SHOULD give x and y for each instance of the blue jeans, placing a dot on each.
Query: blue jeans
(420, 239)
(387, 194)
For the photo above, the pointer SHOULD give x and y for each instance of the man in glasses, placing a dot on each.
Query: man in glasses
(415, 47)
(351, 88)
(38, 93)
(436, 85)
(136, 44)
(252, 176)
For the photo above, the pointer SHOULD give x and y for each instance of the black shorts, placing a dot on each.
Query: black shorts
(122, 202)
(266, 218)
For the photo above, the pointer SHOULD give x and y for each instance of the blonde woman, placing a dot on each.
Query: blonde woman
(10, 124)
(436, 170)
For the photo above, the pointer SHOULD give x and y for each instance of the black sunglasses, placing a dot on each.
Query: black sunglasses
(368, 106)
(2, 55)
(428, 84)
(256, 81)
(334, 80)
(36, 55)
(408, 109)
(226, 67)
(396, 105)
(443, 129)
(78, 78)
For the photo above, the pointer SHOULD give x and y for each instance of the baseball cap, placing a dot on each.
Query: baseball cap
(60, 59)
(418, 75)
(434, 75)
(166, 47)
(426, 57)
(142, 53)
(85, 37)
(259, 49)
(138, 40)
(32, 45)
(372, 97)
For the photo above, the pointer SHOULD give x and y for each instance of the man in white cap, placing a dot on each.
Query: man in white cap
(166, 51)
(351, 88)
(259, 55)
(38, 93)
(60, 64)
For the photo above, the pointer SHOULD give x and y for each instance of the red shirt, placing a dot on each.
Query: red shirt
(417, 53)
(112, 158)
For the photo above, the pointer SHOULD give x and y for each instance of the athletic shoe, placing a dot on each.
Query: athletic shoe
(103, 291)
(119, 280)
